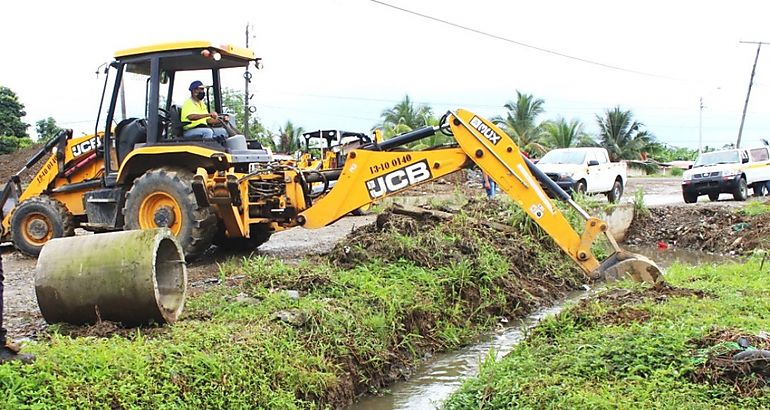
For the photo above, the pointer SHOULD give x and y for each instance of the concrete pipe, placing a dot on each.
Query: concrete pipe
(133, 277)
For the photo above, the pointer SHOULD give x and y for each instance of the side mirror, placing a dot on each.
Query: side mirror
(744, 160)
(689, 166)
(593, 162)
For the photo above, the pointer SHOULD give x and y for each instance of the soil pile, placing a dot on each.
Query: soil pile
(715, 229)
(735, 358)
(13, 162)
(539, 272)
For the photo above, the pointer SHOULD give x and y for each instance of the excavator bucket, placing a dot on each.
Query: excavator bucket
(627, 265)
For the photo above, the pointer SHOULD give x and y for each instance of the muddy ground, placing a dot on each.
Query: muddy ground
(713, 228)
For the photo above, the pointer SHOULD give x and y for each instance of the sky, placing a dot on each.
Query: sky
(338, 64)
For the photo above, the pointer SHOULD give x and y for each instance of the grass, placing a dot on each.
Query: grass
(755, 208)
(246, 344)
(640, 208)
(581, 360)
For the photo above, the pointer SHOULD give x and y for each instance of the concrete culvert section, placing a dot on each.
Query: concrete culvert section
(132, 277)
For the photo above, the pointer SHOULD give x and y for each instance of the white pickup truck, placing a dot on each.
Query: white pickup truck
(585, 170)
(731, 171)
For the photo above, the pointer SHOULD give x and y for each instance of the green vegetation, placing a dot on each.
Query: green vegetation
(382, 300)
(13, 131)
(755, 208)
(637, 347)
(639, 206)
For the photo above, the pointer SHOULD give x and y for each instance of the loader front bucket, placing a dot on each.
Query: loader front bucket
(628, 265)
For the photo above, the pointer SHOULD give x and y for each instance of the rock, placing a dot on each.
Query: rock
(292, 294)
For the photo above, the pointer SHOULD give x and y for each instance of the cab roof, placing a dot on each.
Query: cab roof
(188, 55)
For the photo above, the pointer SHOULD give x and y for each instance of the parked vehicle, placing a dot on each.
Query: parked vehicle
(585, 170)
(731, 171)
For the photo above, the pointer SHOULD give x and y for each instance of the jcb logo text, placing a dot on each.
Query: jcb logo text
(398, 179)
(86, 146)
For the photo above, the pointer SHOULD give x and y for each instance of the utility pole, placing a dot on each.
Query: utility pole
(247, 78)
(748, 94)
(700, 127)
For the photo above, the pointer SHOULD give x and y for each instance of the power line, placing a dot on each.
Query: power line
(519, 43)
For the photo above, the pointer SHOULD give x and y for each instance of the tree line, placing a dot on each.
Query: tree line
(619, 132)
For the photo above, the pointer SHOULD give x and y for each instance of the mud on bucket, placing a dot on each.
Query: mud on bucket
(133, 277)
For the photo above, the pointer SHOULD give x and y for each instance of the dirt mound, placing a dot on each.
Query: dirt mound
(729, 356)
(13, 162)
(538, 272)
(715, 229)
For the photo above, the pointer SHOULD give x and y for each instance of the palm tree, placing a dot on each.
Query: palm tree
(404, 117)
(563, 134)
(289, 138)
(520, 122)
(623, 137)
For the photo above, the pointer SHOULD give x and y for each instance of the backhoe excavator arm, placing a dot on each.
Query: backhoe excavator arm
(374, 172)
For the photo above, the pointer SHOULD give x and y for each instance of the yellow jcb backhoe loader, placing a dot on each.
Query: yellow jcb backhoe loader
(140, 174)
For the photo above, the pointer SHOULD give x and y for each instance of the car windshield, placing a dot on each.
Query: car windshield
(721, 157)
(563, 157)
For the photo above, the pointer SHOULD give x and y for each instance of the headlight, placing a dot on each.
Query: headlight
(730, 173)
(687, 177)
(565, 175)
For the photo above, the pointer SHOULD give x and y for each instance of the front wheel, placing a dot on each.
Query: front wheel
(742, 191)
(164, 198)
(580, 187)
(38, 220)
(616, 192)
(714, 196)
(689, 198)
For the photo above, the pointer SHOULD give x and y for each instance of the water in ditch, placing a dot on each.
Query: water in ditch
(437, 378)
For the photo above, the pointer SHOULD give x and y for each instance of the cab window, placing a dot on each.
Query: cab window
(759, 154)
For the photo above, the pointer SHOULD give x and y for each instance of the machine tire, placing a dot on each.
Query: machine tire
(580, 187)
(760, 189)
(364, 210)
(689, 198)
(164, 197)
(713, 197)
(616, 192)
(742, 192)
(38, 220)
(258, 237)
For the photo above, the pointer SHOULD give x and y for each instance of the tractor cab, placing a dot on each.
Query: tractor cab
(143, 121)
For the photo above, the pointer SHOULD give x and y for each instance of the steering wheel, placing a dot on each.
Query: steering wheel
(164, 116)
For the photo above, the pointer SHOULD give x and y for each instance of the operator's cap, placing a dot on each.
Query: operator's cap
(195, 84)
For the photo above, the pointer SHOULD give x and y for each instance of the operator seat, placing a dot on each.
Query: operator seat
(177, 125)
(128, 133)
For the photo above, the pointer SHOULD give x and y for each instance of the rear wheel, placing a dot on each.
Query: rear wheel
(38, 220)
(164, 198)
(742, 191)
(616, 192)
(760, 189)
(689, 198)
(361, 211)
